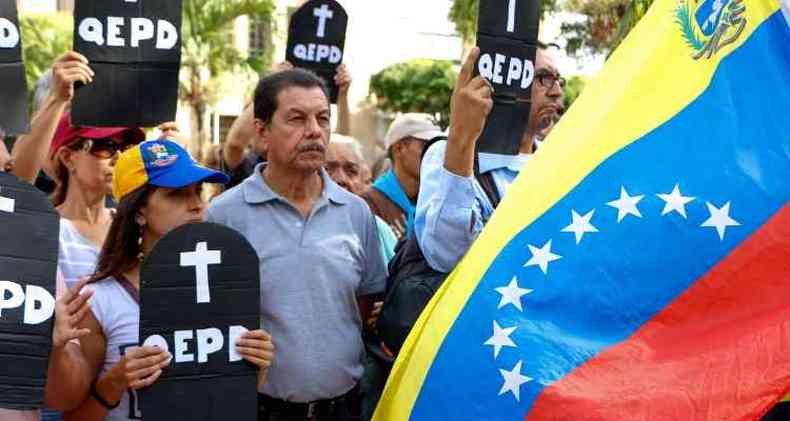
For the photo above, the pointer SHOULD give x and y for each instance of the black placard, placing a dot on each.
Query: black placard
(317, 40)
(507, 35)
(28, 257)
(13, 85)
(134, 47)
(200, 283)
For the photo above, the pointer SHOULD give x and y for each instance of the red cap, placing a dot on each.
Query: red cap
(66, 133)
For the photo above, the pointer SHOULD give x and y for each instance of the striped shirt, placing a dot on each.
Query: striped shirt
(77, 256)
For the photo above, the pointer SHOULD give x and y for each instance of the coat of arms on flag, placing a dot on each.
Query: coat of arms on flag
(710, 25)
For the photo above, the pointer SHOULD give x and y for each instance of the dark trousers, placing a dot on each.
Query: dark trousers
(372, 384)
(346, 409)
(342, 415)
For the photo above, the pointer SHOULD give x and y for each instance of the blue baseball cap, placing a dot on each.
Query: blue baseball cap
(160, 163)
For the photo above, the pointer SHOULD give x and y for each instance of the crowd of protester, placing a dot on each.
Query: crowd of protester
(331, 231)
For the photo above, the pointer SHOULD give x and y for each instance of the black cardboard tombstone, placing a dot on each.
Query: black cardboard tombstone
(507, 34)
(29, 232)
(317, 40)
(134, 47)
(13, 86)
(200, 291)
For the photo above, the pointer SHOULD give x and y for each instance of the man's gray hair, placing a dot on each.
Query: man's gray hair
(356, 148)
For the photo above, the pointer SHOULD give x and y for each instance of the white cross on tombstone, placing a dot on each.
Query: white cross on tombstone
(322, 13)
(511, 16)
(200, 259)
(7, 204)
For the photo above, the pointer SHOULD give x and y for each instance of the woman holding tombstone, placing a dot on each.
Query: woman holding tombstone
(159, 187)
(65, 388)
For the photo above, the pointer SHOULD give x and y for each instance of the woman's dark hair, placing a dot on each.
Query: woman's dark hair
(122, 245)
(270, 87)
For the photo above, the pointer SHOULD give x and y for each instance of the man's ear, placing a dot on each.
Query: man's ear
(397, 149)
(262, 130)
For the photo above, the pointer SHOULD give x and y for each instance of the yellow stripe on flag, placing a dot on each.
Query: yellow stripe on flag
(647, 81)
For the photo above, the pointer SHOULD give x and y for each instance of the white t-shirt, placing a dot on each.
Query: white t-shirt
(9, 415)
(118, 314)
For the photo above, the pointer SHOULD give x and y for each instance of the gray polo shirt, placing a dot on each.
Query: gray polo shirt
(312, 271)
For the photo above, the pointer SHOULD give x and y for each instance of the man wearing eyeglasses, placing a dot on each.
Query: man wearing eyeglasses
(452, 206)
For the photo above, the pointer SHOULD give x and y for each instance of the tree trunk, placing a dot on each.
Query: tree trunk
(198, 106)
(198, 121)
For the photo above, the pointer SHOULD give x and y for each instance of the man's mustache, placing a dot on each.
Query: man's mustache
(311, 147)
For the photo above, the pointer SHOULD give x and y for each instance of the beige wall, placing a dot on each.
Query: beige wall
(380, 33)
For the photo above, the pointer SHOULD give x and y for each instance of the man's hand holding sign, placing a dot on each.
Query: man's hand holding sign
(470, 106)
(507, 35)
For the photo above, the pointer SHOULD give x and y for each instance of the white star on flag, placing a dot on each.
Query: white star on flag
(501, 338)
(720, 219)
(580, 225)
(513, 381)
(541, 257)
(675, 202)
(626, 205)
(512, 294)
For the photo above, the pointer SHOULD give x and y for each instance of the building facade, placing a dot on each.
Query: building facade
(380, 33)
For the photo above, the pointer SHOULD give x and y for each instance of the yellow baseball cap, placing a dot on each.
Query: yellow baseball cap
(160, 163)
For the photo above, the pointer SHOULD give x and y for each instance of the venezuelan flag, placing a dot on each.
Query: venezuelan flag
(639, 269)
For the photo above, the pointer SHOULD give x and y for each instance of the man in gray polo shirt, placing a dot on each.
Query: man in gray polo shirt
(319, 255)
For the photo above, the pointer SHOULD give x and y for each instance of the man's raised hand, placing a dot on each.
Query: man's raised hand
(471, 103)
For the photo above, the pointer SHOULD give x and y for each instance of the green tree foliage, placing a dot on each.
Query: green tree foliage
(463, 13)
(45, 37)
(207, 52)
(604, 26)
(420, 86)
(573, 89)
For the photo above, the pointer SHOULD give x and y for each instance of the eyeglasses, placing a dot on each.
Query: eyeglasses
(547, 80)
(104, 148)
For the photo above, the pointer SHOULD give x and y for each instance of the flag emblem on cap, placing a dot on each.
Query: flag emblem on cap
(158, 155)
(710, 25)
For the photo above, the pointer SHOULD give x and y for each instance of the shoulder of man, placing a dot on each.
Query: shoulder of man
(352, 203)
(226, 202)
(436, 150)
(382, 206)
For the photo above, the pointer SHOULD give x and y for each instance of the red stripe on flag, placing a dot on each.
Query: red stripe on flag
(720, 351)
